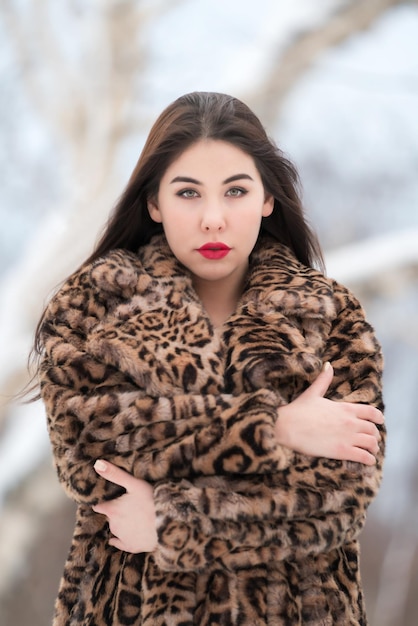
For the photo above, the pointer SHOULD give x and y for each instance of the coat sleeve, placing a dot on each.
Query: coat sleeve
(95, 411)
(311, 507)
(190, 540)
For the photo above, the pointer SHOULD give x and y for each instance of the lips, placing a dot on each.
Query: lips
(214, 250)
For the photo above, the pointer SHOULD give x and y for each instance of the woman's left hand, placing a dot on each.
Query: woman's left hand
(131, 517)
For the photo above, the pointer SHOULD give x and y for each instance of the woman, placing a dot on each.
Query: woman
(184, 372)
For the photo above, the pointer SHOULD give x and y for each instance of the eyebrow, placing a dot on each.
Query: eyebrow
(193, 181)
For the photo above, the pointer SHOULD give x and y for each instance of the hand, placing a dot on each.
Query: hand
(131, 517)
(316, 426)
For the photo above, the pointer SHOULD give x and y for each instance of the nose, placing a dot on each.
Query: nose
(213, 219)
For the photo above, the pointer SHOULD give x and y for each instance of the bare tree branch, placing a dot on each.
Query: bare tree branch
(357, 15)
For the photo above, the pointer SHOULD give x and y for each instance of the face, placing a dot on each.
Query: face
(210, 203)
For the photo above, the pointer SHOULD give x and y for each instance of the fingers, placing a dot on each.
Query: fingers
(369, 413)
(359, 455)
(366, 435)
(361, 442)
(371, 430)
(113, 473)
(367, 442)
(358, 451)
(320, 386)
(105, 508)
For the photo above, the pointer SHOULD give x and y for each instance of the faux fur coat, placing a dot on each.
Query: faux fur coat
(249, 532)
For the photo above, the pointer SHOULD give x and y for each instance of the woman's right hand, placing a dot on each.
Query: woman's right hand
(316, 426)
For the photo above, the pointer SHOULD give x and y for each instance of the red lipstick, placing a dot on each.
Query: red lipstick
(215, 250)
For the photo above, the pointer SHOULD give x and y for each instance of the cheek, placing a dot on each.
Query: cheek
(248, 229)
(250, 218)
(177, 231)
(177, 220)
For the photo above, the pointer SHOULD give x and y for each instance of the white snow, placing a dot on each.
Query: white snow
(213, 45)
(23, 445)
(350, 124)
(373, 257)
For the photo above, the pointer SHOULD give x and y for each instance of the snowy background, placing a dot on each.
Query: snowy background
(335, 82)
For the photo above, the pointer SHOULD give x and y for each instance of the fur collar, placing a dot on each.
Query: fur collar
(275, 277)
(274, 338)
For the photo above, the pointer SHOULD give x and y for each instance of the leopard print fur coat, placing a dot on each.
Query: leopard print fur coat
(250, 532)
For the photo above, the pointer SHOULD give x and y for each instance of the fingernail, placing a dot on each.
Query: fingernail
(100, 466)
(326, 366)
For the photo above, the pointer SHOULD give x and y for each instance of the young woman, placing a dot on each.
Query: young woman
(214, 402)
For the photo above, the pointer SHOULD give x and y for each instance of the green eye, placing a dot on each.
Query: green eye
(188, 193)
(236, 192)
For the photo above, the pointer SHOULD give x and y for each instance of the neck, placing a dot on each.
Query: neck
(219, 301)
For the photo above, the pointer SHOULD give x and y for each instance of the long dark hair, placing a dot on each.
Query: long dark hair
(206, 115)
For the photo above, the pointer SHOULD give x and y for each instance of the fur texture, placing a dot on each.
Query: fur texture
(250, 532)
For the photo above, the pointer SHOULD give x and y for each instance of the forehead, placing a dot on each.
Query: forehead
(212, 155)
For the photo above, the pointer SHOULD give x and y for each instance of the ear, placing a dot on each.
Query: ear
(154, 211)
(268, 205)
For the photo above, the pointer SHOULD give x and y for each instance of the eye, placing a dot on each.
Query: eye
(236, 192)
(187, 193)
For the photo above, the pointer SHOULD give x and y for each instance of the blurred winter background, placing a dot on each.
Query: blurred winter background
(335, 82)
